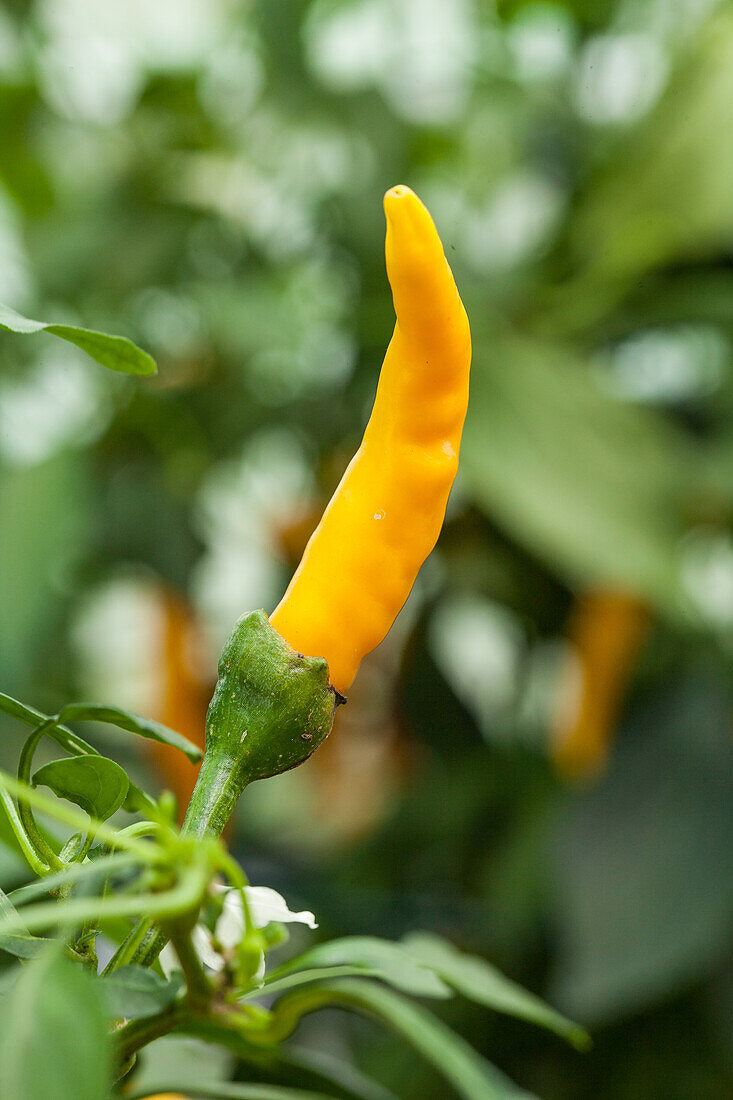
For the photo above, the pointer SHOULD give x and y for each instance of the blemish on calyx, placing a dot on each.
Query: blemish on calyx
(244, 734)
(307, 736)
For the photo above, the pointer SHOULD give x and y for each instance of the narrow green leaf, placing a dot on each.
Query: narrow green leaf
(19, 710)
(138, 802)
(481, 982)
(133, 992)
(57, 732)
(95, 783)
(468, 1072)
(389, 961)
(53, 1036)
(318, 974)
(117, 353)
(22, 944)
(131, 723)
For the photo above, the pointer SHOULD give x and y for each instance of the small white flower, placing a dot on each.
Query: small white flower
(266, 906)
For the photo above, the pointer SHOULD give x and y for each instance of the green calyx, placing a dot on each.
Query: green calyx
(272, 707)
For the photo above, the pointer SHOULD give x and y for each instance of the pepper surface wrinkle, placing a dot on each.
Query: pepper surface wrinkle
(386, 514)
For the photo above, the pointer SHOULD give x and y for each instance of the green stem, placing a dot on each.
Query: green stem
(184, 896)
(199, 988)
(24, 842)
(272, 707)
(126, 951)
(25, 761)
(134, 1036)
(220, 783)
(226, 1029)
(77, 872)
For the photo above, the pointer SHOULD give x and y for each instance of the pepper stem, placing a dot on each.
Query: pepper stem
(271, 708)
(218, 787)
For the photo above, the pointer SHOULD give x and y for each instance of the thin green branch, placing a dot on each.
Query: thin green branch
(126, 950)
(136, 1034)
(25, 763)
(76, 872)
(185, 896)
(29, 853)
(198, 985)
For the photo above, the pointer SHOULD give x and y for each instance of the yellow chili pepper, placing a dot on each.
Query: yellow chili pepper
(606, 630)
(387, 512)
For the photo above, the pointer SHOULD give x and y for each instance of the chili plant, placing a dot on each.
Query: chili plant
(133, 931)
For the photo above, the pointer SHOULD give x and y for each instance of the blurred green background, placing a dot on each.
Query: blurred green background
(537, 762)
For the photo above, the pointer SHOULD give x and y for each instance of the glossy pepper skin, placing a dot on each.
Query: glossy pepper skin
(386, 514)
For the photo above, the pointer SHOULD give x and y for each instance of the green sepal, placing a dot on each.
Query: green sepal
(272, 707)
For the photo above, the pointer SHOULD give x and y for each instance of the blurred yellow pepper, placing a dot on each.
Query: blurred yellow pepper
(606, 630)
(385, 516)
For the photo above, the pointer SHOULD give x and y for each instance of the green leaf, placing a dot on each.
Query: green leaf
(478, 980)
(137, 801)
(133, 992)
(16, 709)
(21, 944)
(470, 1074)
(114, 352)
(95, 783)
(320, 974)
(53, 1036)
(591, 484)
(57, 732)
(664, 198)
(391, 962)
(131, 723)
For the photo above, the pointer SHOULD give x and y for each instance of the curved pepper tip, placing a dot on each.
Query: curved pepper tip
(400, 199)
(399, 191)
(413, 244)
